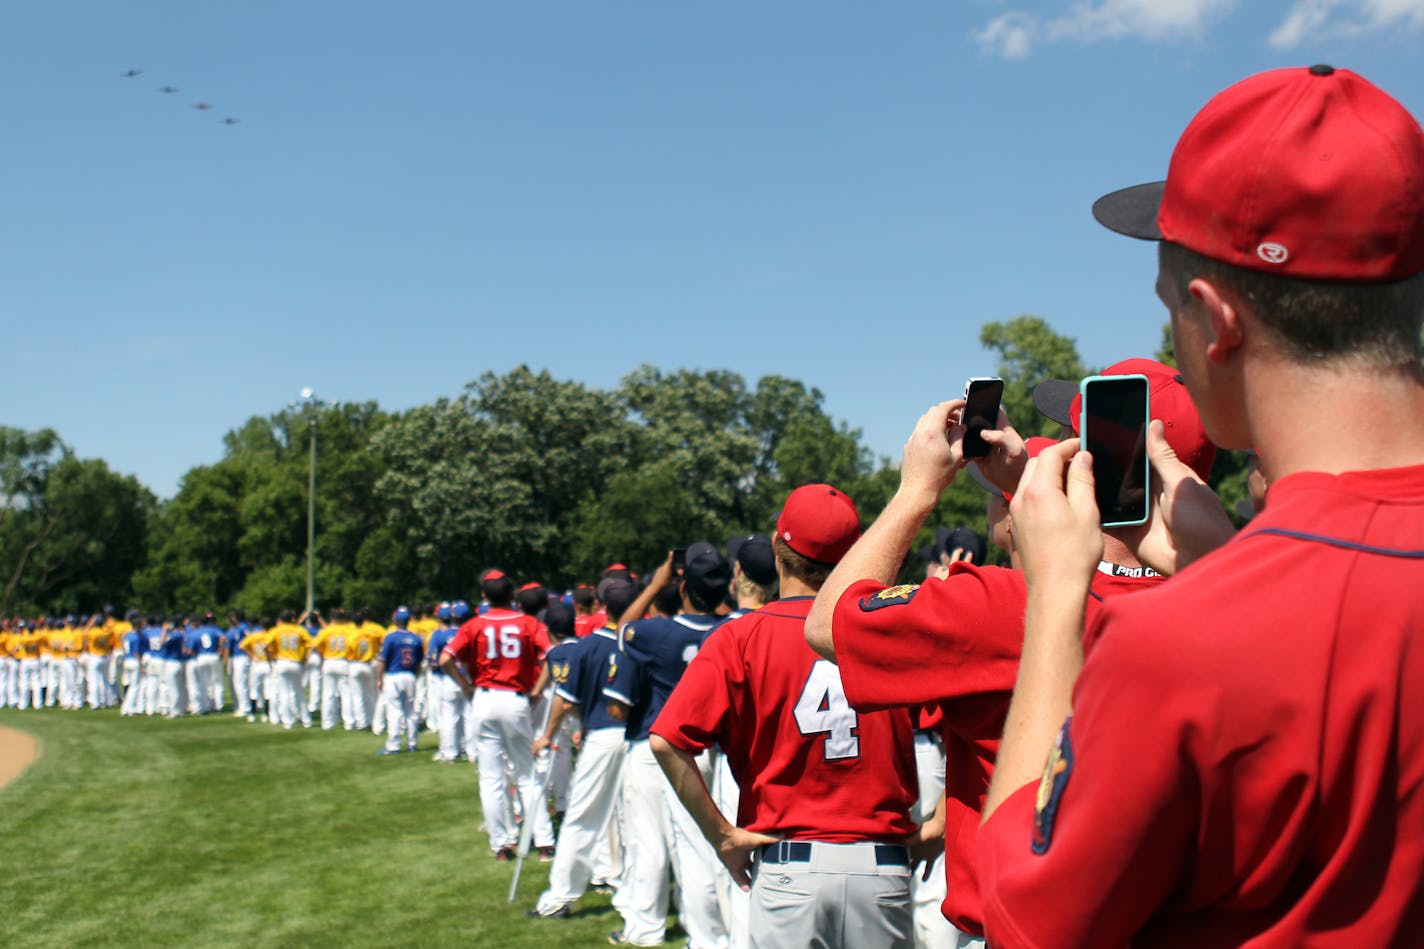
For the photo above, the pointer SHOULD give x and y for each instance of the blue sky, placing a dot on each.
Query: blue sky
(839, 192)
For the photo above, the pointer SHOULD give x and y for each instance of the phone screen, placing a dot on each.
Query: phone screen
(981, 411)
(679, 560)
(1114, 429)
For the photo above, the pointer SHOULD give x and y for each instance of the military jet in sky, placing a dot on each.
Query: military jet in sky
(131, 73)
(230, 121)
(202, 106)
(168, 90)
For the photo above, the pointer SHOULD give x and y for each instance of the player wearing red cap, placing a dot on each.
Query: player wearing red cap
(955, 641)
(503, 650)
(1238, 760)
(825, 792)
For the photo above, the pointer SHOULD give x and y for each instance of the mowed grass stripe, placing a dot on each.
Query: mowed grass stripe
(214, 831)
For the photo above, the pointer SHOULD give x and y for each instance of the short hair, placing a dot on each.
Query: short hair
(532, 600)
(286, 616)
(744, 585)
(813, 573)
(584, 597)
(499, 591)
(668, 600)
(1318, 321)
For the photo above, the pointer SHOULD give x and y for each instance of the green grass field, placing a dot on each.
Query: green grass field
(212, 831)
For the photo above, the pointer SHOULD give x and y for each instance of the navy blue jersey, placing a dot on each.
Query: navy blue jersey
(438, 641)
(401, 651)
(586, 675)
(175, 645)
(659, 650)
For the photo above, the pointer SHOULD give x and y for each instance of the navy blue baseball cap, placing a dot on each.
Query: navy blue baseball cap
(707, 572)
(560, 620)
(753, 552)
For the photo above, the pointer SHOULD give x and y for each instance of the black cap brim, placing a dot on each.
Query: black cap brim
(1054, 398)
(1132, 211)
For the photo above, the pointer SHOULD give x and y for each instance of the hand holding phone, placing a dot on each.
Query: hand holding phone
(679, 561)
(981, 411)
(1113, 427)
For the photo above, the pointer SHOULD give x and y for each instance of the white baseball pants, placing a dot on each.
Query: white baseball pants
(592, 792)
(506, 736)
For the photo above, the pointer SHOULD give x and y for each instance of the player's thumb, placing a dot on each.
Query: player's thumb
(1163, 456)
(1079, 483)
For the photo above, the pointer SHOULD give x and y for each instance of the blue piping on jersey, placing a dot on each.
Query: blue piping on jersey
(1344, 544)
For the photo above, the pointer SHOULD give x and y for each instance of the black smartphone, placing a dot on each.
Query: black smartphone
(981, 411)
(679, 560)
(1113, 426)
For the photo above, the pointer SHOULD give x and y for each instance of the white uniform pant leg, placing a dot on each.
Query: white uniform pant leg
(399, 692)
(334, 675)
(261, 687)
(192, 679)
(210, 681)
(642, 900)
(735, 902)
(291, 700)
(697, 869)
(492, 708)
(363, 693)
(133, 687)
(152, 666)
(7, 681)
(93, 681)
(348, 697)
(592, 792)
(311, 683)
(932, 930)
(518, 729)
(240, 669)
(562, 764)
(175, 687)
(31, 686)
(452, 710)
(69, 696)
(379, 714)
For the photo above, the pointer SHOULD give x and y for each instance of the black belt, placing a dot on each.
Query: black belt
(799, 851)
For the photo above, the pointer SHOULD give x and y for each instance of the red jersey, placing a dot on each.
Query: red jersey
(1244, 764)
(583, 625)
(503, 649)
(809, 766)
(953, 642)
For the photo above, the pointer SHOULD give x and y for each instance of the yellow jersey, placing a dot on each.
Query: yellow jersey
(290, 642)
(334, 640)
(366, 642)
(100, 641)
(258, 645)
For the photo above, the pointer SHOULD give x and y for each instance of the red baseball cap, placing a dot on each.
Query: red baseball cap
(819, 522)
(1168, 401)
(1313, 173)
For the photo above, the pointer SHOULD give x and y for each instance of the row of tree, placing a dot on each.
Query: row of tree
(546, 478)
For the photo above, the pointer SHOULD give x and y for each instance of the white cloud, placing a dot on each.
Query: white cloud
(1013, 35)
(1308, 19)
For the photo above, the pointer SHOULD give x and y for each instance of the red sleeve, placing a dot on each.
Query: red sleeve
(1115, 817)
(701, 709)
(941, 641)
(540, 639)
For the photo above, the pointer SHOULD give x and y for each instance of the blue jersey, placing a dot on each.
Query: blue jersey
(175, 645)
(135, 644)
(585, 676)
(154, 635)
(234, 635)
(438, 641)
(659, 650)
(401, 651)
(210, 639)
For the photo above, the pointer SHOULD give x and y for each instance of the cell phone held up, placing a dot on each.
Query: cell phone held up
(981, 411)
(1113, 427)
(679, 561)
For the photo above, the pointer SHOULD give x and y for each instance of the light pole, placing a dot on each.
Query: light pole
(310, 405)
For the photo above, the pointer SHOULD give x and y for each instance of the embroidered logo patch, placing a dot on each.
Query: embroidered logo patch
(612, 667)
(890, 596)
(1050, 789)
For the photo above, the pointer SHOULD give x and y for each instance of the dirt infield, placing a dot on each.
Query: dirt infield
(17, 750)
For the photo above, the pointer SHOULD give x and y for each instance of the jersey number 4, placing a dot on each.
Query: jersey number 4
(823, 708)
(506, 643)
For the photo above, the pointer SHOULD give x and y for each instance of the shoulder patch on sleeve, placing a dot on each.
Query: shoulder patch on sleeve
(890, 596)
(1050, 789)
(612, 666)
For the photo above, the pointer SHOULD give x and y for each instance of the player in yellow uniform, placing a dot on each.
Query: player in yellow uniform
(257, 645)
(364, 646)
(331, 645)
(9, 677)
(291, 644)
(98, 645)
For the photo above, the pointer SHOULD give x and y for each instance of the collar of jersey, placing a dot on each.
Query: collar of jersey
(607, 633)
(709, 620)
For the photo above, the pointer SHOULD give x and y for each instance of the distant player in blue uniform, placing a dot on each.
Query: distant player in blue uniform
(239, 664)
(396, 667)
(134, 645)
(453, 722)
